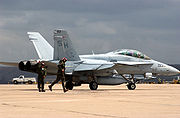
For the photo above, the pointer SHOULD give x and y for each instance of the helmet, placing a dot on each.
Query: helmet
(42, 64)
(64, 59)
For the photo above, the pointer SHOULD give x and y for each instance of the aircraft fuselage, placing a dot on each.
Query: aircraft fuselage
(157, 68)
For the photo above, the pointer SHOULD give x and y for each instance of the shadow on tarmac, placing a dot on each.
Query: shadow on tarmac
(87, 90)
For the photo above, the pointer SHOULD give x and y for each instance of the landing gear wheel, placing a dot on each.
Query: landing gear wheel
(69, 85)
(131, 86)
(30, 82)
(93, 85)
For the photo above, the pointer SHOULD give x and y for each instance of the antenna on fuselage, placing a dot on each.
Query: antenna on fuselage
(92, 52)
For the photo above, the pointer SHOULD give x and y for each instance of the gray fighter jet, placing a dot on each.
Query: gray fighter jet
(95, 69)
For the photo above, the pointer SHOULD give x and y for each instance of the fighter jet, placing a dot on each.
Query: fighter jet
(96, 69)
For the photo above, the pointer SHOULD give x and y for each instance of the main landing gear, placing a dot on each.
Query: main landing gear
(131, 86)
(93, 85)
(131, 82)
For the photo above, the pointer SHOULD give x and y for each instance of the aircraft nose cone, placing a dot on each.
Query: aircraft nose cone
(174, 71)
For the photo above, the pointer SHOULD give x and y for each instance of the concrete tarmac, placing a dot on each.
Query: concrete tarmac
(147, 101)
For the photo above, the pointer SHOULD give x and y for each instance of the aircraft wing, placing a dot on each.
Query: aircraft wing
(82, 67)
(93, 67)
(96, 67)
(77, 67)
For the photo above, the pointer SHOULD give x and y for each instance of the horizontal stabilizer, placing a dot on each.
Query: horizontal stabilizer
(9, 63)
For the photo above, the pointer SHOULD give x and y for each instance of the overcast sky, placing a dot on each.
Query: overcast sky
(150, 26)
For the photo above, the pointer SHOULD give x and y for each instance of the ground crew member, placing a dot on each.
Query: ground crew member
(41, 76)
(60, 74)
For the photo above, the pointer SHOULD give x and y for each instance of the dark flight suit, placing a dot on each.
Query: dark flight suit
(41, 76)
(60, 75)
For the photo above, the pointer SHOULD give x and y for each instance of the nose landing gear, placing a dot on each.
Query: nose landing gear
(131, 86)
(131, 82)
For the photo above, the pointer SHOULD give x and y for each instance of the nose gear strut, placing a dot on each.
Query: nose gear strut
(131, 82)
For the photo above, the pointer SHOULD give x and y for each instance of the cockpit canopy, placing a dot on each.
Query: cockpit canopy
(133, 53)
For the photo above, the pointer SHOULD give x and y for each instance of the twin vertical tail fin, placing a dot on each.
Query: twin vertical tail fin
(63, 46)
(43, 48)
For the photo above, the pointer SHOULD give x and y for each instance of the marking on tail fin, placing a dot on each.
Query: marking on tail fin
(63, 46)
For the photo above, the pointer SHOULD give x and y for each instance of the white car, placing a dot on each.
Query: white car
(22, 79)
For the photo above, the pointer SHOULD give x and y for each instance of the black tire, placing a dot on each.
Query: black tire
(131, 86)
(69, 85)
(15, 82)
(93, 85)
(30, 82)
